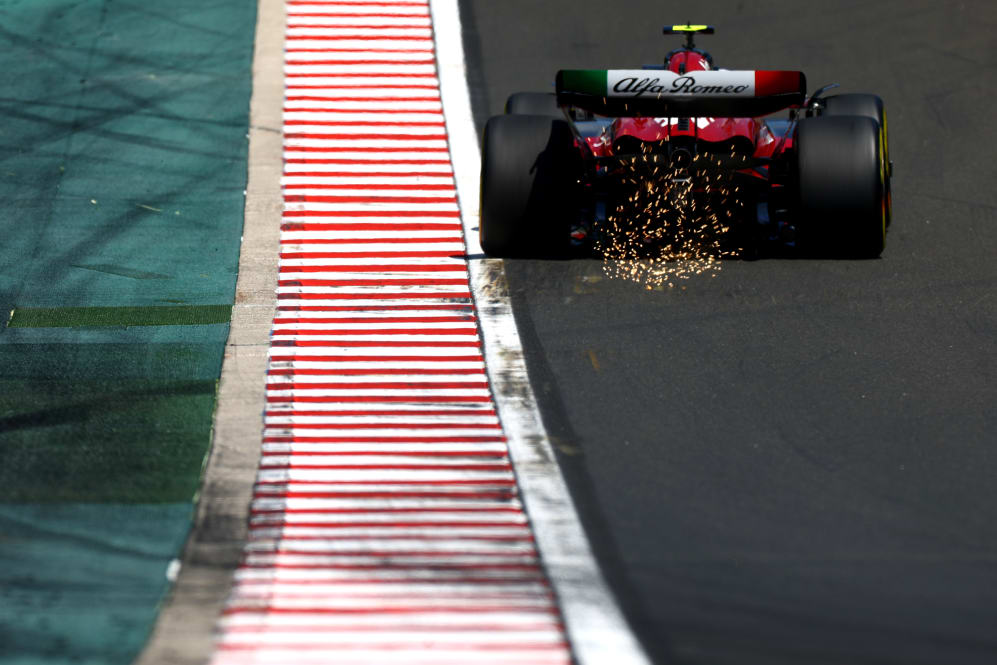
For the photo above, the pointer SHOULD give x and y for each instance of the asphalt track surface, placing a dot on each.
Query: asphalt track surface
(792, 462)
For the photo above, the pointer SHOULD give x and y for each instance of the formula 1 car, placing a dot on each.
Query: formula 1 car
(678, 156)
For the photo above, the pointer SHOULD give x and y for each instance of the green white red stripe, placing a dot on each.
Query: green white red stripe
(718, 84)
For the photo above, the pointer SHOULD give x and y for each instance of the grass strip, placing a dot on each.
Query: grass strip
(103, 317)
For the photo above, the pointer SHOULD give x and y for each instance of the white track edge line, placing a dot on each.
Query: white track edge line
(596, 628)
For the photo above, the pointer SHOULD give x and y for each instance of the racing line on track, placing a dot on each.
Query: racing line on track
(386, 524)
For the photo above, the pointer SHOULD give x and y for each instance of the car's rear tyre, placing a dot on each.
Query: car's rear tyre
(533, 103)
(869, 106)
(842, 187)
(529, 184)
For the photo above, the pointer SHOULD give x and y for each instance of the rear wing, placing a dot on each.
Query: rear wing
(658, 93)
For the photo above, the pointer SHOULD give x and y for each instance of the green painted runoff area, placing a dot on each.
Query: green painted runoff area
(122, 174)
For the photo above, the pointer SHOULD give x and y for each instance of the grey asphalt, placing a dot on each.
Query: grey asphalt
(793, 461)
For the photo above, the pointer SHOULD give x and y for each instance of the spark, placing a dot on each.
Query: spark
(662, 231)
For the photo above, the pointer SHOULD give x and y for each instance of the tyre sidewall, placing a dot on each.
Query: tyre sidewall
(529, 174)
(842, 186)
(869, 106)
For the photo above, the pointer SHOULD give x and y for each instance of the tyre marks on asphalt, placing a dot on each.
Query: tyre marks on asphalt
(386, 523)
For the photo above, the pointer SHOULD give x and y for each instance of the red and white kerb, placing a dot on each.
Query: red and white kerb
(386, 525)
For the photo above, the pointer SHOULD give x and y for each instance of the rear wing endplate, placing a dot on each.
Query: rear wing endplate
(659, 93)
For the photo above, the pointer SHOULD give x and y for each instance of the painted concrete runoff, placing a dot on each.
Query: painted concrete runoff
(121, 205)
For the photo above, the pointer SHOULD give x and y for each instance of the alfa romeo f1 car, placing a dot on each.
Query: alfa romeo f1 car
(679, 155)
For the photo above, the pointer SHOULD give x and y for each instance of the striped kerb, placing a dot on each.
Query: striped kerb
(386, 524)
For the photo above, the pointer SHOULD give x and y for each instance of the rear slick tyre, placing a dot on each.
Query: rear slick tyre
(870, 106)
(529, 175)
(842, 187)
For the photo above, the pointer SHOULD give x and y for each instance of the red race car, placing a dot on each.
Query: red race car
(676, 160)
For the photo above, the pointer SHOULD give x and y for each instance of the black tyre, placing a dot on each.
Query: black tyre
(529, 175)
(842, 187)
(533, 103)
(869, 106)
